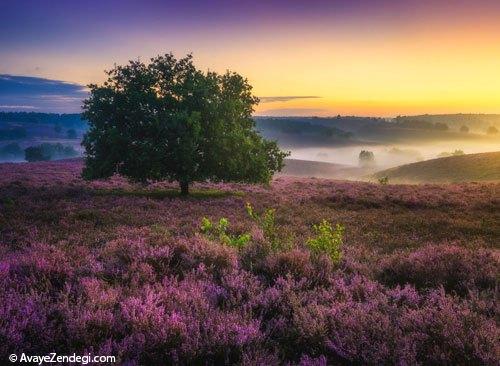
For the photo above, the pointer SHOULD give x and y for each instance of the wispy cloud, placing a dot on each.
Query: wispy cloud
(286, 98)
(17, 107)
(278, 112)
(44, 95)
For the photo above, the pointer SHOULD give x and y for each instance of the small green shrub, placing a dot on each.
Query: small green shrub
(219, 232)
(328, 240)
(384, 180)
(206, 225)
(267, 222)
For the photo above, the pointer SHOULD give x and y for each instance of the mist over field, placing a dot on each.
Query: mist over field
(393, 141)
(337, 140)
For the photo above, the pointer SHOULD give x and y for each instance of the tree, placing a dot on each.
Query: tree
(167, 120)
(36, 153)
(441, 126)
(366, 158)
(47, 151)
(492, 130)
(464, 129)
(57, 128)
(71, 134)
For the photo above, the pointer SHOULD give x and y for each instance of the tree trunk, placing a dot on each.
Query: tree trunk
(184, 188)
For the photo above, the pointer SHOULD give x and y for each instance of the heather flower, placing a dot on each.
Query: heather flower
(83, 269)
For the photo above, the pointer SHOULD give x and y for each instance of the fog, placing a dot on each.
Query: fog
(387, 156)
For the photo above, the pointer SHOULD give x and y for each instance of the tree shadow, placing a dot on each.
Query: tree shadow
(163, 193)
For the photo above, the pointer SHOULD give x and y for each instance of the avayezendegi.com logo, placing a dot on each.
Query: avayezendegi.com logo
(55, 358)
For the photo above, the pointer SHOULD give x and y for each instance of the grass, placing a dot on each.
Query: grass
(453, 169)
(163, 193)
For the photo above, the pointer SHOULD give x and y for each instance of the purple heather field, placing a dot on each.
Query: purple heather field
(113, 268)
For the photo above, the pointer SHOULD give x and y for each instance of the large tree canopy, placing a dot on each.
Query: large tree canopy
(167, 120)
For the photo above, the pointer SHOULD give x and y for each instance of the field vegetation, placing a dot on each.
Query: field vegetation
(300, 271)
(454, 167)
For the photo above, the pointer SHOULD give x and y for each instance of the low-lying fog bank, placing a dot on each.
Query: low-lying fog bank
(388, 156)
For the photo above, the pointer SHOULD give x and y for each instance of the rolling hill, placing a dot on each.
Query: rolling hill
(319, 169)
(465, 168)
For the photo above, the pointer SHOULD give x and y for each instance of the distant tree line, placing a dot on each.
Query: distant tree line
(13, 133)
(297, 126)
(459, 122)
(420, 124)
(73, 120)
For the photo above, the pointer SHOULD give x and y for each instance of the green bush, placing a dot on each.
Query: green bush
(267, 222)
(384, 180)
(328, 240)
(219, 232)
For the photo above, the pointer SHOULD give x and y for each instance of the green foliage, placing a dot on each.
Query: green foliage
(46, 151)
(220, 232)
(328, 240)
(36, 153)
(206, 225)
(384, 180)
(71, 134)
(267, 222)
(366, 158)
(167, 120)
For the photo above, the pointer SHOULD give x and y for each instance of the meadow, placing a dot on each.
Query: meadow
(112, 268)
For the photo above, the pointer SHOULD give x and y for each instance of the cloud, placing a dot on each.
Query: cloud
(296, 112)
(16, 107)
(40, 94)
(286, 98)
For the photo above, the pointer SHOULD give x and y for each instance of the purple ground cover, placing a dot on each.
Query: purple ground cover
(110, 268)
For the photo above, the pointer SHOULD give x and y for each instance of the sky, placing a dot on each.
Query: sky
(316, 57)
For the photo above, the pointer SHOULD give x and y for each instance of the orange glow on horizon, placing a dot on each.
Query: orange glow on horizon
(356, 68)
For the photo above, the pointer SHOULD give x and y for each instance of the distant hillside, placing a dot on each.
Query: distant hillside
(69, 120)
(347, 130)
(318, 169)
(475, 122)
(465, 168)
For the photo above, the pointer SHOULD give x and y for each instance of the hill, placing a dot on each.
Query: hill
(464, 168)
(318, 169)
(113, 268)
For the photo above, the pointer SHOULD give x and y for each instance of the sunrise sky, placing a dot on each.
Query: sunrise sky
(373, 57)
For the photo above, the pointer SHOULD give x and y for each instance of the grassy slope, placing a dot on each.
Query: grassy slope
(318, 169)
(465, 168)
